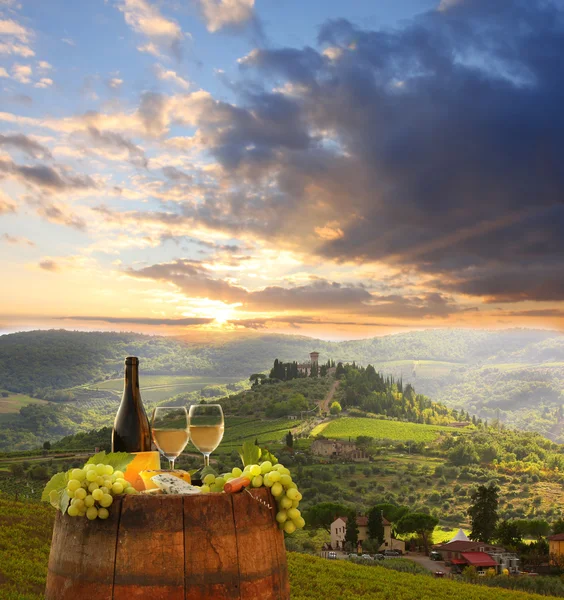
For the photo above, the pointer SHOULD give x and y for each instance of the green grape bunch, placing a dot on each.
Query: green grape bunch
(92, 490)
(277, 478)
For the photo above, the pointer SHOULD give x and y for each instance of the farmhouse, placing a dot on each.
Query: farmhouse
(556, 547)
(464, 553)
(339, 449)
(339, 530)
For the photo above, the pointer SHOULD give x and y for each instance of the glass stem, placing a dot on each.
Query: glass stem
(206, 460)
(171, 461)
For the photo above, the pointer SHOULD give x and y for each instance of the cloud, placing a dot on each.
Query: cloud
(435, 147)
(68, 41)
(7, 205)
(196, 280)
(22, 73)
(174, 174)
(11, 29)
(16, 240)
(220, 14)
(25, 144)
(44, 82)
(3, 72)
(48, 179)
(49, 265)
(43, 65)
(15, 39)
(146, 19)
(115, 83)
(184, 322)
(169, 75)
(57, 213)
(150, 48)
(115, 141)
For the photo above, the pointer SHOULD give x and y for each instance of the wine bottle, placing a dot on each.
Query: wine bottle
(131, 432)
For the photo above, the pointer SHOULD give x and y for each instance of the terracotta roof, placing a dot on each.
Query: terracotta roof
(462, 546)
(559, 537)
(479, 559)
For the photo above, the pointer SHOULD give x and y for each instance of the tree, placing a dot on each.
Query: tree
(47, 445)
(538, 528)
(339, 371)
(335, 408)
(314, 370)
(483, 512)
(508, 534)
(289, 440)
(558, 526)
(323, 370)
(324, 513)
(464, 453)
(351, 534)
(419, 523)
(375, 525)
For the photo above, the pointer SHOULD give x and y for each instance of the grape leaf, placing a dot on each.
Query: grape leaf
(207, 470)
(118, 460)
(64, 501)
(249, 453)
(58, 484)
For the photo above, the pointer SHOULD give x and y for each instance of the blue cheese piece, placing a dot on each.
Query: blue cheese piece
(170, 484)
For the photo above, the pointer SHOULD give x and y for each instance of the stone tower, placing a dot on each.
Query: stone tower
(314, 357)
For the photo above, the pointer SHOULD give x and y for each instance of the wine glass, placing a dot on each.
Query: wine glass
(206, 428)
(170, 430)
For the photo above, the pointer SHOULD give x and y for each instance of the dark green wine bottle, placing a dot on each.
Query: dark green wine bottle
(131, 432)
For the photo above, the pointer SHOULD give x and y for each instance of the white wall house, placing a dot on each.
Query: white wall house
(339, 530)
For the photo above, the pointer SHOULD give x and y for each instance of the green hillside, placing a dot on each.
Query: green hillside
(514, 375)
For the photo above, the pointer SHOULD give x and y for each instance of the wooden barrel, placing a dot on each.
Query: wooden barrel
(213, 546)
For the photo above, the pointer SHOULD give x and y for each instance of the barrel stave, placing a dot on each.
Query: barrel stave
(150, 549)
(211, 567)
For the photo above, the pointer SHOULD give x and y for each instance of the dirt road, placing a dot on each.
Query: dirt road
(326, 402)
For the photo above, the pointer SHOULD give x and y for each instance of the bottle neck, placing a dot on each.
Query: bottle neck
(131, 381)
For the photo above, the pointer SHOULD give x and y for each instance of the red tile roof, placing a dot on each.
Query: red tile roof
(559, 537)
(479, 559)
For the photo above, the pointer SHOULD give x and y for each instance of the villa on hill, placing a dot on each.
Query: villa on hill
(339, 530)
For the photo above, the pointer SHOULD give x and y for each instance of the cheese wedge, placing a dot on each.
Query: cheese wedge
(147, 475)
(170, 484)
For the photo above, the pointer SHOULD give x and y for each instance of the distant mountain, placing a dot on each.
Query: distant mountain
(516, 375)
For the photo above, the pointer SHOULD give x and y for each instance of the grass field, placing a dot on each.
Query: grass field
(239, 429)
(25, 537)
(155, 388)
(313, 578)
(390, 430)
(12, 404)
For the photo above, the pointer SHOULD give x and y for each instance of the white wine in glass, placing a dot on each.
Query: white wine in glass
(170, 431)
(206, 428)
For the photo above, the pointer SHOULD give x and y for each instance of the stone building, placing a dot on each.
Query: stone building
(338, 449)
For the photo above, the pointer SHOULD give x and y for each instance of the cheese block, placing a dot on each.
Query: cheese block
(170, 484)
(148, 474)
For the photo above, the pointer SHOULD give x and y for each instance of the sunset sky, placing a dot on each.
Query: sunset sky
(325, 168)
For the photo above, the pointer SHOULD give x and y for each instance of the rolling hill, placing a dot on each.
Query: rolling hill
(515, 375)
